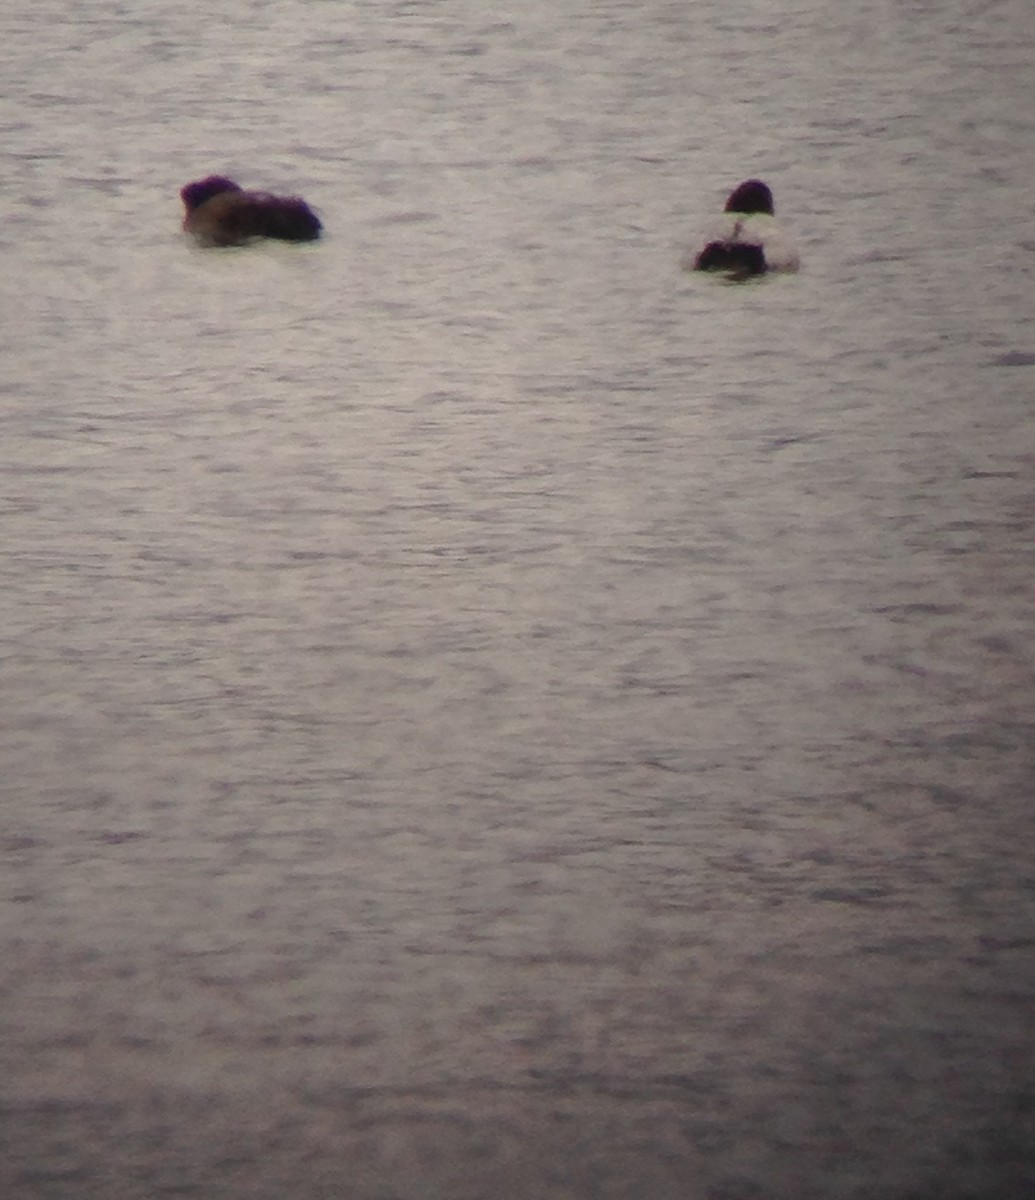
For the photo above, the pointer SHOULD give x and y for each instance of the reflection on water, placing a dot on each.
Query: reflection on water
(487, 713)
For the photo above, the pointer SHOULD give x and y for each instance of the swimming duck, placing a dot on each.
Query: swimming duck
(221, 213)
(748, 241)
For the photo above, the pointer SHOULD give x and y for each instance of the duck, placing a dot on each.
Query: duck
(219, 212)
(748, 241)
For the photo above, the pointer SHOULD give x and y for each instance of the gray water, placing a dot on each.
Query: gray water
(487, 714)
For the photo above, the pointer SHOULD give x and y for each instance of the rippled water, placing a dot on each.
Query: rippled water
(487, 714)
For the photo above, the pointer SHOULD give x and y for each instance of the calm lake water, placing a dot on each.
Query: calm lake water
(487, 715)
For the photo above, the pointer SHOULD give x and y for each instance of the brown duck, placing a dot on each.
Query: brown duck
(221, 213)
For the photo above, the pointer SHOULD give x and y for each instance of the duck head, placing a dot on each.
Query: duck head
(751, 196)
(195, 194)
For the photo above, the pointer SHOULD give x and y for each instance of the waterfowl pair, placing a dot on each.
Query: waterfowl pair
(221, 213)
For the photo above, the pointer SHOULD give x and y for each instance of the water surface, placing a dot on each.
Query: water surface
(488, 714)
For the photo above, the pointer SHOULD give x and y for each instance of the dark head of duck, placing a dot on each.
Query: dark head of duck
(221, 213)
(751, 196)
